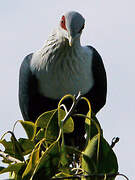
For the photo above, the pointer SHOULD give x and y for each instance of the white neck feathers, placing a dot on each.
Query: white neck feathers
(61, 69)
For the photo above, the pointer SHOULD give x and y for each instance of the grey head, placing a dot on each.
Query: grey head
(71, 25)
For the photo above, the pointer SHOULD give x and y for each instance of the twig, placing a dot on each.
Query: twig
(123, 176)
(92, 175)
(70, 112)
(114, 141)
(9, 158)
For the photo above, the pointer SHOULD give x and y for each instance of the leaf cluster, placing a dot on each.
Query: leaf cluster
(44, 155)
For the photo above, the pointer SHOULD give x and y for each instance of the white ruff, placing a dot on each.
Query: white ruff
(61, 69)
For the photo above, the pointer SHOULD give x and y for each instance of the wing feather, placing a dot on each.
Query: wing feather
(97, 95)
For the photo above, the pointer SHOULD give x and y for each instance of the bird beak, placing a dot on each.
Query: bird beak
(70, 39)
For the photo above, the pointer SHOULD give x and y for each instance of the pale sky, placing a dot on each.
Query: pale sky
(110, 28)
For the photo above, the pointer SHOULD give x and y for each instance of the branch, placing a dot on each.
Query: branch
(92, 175)
(70, 112)
(9, 158)
(114, 141)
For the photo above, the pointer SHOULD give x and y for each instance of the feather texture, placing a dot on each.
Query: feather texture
(61, 69)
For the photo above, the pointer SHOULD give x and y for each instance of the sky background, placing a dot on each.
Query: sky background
(110, 28)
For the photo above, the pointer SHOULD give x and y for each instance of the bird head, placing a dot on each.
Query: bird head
(71, 26)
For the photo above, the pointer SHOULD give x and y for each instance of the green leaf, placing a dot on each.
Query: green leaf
(95, 127)
(1, 168)
(8, 145)
(67, 156)
(29, 128)
(34, 158)
(92, 126)
(108, 158)
(69, 125)
(27, 145)
(64, 158)
(89, 158)
(44, 118)
(40, 134)
(13, 148)
(18, 150)
(12, 168)
(62, 175)
(48, 163)
(52, 129)
(106, 161)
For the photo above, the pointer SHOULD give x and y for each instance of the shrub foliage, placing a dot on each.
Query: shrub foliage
(44, 155)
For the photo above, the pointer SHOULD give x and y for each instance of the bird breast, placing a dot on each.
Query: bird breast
(63, 71)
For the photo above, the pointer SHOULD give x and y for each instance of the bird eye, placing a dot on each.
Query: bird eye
(63, 23)
(81, 29)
